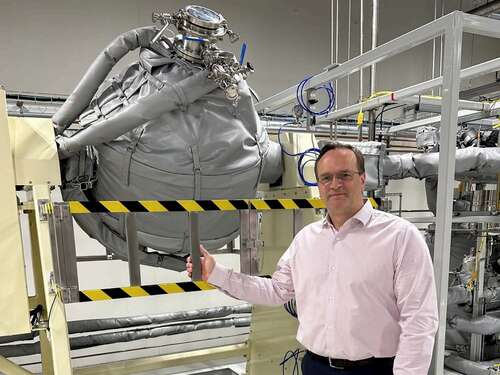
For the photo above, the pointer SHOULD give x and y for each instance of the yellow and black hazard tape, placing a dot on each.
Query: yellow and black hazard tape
(82, 207)
(143, 291)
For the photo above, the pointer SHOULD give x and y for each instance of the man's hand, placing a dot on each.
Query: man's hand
(207, 264)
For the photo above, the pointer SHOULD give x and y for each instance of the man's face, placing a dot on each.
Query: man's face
(340, 183)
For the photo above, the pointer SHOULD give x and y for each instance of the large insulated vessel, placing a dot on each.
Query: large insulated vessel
(179, 123)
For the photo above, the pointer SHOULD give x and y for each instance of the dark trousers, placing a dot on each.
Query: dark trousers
(312, 366)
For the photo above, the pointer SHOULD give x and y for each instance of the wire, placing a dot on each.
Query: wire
(384, 109)
(288, 356)
(300, 97)
(312, 153)
(50, 310)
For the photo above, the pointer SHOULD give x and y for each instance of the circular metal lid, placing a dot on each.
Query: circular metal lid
(203, 17)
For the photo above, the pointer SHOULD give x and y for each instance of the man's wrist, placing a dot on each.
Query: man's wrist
(219, 275)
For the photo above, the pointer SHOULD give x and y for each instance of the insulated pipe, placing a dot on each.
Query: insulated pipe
(82, 342)
(465, 366)
(81, 326)
(98, 71)
(486, 9)
(458, 294)
(484, 325)
(168, 98)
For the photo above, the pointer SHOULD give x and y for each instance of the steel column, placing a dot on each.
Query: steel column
(194, 238)
(446, 179)
(134, 264)
(53, 340)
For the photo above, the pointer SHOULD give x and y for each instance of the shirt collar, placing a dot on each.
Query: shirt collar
(363, 215)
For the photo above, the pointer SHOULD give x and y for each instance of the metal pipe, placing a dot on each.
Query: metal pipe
(472, 71)
(441, 46)
(374, 44)
(433, 74)
(348, 49)
(133, 248)
(361, 37)
(486, 9)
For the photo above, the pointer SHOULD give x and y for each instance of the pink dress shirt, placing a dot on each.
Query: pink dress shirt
(366, 290)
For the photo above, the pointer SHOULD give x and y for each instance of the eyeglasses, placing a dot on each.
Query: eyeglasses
(344, 176)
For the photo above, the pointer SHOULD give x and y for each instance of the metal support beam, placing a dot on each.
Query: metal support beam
(409, 92)
(54, 341)
(134, 265)
(194, 238)
(481, 25)
(64, 252)
(479, 307)
(391, 48)
(462, 117)
(249, 240)
(10, 368)
(134, 366)
(446, 179)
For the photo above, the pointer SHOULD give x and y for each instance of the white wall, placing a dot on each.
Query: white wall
(47, 46)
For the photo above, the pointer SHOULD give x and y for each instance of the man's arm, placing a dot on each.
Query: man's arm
(415, 291)
(254, 289)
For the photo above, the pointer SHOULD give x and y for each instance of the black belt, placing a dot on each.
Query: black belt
(344, 364)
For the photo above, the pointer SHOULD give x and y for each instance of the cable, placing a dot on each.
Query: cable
(50, 310)
(287, 357)
(312, 152)
(384, 108)
(300, 97)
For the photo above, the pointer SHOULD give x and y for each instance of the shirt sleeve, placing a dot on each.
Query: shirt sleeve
(254, 289)
(415, 291)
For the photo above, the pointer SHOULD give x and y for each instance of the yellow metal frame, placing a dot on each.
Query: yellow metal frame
(14, 308)
(28, 156)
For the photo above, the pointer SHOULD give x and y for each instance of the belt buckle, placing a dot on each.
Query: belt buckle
(333, 366)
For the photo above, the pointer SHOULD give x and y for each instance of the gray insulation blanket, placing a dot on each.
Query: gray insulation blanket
(163, 131)
(481, 164)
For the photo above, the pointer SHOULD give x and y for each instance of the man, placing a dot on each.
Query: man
(363, 281)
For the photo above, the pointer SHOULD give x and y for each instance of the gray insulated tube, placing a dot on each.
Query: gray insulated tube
(82, 342)
(484, 325)
(466, 366)
(80, 326)
(458, 294)
(481, 163)
(98, 71)
(168, 98)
